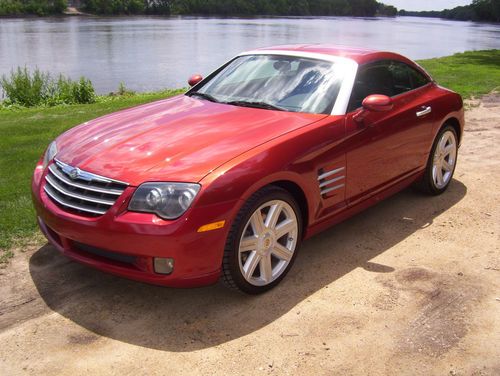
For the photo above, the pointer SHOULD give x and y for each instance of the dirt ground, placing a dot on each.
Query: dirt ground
(409, 287)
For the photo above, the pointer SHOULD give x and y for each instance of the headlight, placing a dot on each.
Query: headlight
(50, 153)
(167, 200)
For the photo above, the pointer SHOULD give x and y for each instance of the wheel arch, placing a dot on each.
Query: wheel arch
(290, 183)
(300, 197)
(455, 123)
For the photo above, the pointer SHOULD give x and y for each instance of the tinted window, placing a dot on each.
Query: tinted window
(384, 77)
(417, 78)
(374, 78)
(405, 77)
(401, 77)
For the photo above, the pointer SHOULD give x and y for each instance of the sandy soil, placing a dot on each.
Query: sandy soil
(411, 286)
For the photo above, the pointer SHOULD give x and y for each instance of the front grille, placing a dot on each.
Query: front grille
(81, 192)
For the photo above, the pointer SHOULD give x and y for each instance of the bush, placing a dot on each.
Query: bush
(34, 89)
(123, 91)
(25, 88)
(83, 91)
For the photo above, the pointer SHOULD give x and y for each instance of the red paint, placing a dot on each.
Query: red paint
(183, 138)
(232, 152)
(378, 103)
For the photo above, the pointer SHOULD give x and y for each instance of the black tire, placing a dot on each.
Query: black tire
(427, 184)
(231, 273)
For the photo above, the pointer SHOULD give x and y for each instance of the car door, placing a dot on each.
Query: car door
(386, 147)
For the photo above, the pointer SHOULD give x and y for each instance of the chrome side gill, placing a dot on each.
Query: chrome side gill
(330, 173)
(328, 190)
(328, 182)
(325, 185)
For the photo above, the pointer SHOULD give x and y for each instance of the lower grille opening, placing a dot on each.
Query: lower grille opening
(54, 235)
(99, 252)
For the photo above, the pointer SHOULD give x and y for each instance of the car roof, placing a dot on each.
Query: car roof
(359, 55)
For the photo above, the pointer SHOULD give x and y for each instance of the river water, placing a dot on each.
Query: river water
(151, 53)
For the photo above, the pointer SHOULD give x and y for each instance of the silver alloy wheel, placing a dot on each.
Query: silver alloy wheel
(268, 242)
(445, 157)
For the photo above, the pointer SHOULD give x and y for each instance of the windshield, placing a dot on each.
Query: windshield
(275, 82)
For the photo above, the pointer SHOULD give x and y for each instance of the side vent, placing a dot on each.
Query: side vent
(330, 180)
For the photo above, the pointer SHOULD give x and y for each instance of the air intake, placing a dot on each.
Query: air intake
(331, 180)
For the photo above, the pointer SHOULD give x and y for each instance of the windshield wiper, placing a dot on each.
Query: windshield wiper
(208, 97)
(264, 105)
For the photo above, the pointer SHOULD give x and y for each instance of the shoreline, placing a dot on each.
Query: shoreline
(194, 15)
(216, 16)
(449, 71)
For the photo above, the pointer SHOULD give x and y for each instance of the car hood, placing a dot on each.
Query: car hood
(178, 139)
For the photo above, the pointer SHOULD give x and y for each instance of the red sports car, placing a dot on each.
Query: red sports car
(226, 180)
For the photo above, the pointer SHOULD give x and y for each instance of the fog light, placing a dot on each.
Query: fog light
(163, 265)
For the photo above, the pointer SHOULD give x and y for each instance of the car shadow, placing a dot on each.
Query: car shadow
(193, 319)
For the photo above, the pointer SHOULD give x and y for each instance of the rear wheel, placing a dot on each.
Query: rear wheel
(263, 241)
(442, 162)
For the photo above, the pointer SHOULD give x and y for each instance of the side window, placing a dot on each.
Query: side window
(401, 77)
(384, 77)
(406, 78)
(417, 79)
(373, 78)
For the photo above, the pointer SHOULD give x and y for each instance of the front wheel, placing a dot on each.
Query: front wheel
(263, 241)
(442, 162)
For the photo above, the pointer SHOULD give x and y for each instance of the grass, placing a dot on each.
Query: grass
(470, 73)
(25, 133)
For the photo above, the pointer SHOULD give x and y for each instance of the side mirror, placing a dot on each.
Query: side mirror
(378, 103)
(194, 80)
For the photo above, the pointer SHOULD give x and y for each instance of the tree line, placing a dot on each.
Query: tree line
(479, 10)
(36, 7)
(360, 8)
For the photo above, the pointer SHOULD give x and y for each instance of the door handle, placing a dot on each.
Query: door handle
(425, 111)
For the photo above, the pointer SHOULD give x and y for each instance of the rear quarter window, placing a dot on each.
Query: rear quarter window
(405, 77)
(417, 78)
(387, 77)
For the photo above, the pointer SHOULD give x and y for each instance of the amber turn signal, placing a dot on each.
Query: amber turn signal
(212, 226)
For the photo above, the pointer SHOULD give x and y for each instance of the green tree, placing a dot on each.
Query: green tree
(486, 10)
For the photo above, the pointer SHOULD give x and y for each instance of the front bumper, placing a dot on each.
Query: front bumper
(125, 243)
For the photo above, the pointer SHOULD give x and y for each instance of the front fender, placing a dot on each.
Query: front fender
(240, 181)
(294, 158)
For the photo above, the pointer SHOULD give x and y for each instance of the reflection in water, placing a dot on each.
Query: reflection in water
(148, 53)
